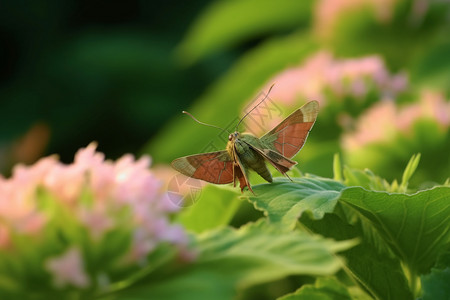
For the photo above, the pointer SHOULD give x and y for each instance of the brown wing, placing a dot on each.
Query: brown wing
(214, 167)
(281, 163)
(290, 135)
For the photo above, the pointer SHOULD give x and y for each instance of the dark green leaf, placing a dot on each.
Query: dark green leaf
(416, 227)
(377, 272)
(323, 289)
(231, 259)
(284, 201)
(436, 285)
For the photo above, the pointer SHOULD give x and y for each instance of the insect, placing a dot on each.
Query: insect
(246, 152)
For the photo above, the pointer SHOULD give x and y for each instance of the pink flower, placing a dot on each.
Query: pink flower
(317, 77)
(321, 72)
(68, 269)
(17, 198)
(99, 194)
(375, 125)
(65, 182)
(328, 12)
(97, 219)
(384, 120)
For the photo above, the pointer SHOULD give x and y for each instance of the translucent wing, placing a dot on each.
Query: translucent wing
(289, 136)
(214, 167)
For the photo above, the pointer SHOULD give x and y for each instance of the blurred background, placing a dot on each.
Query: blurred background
(120, 72)
(77, 71)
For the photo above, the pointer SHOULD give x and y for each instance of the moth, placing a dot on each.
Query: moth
(246, 152)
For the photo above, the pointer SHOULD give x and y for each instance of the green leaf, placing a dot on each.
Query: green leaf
(246, 253)
(195, 285)
(284, 201)
(416, 227)
(323, 289)
(215, 207)
(225, 23)
(409, 171)
(337, 168)
(377, 272)
(231, 259)
(436, 285)
(366, 179)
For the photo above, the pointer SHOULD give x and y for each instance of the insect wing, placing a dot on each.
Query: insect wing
(289, 136)
(214, 167)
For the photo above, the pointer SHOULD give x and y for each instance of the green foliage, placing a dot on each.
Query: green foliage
(323, 289)
(387, 157)
(236, 258)
(208, 34)
(382, 233)
(401, 236)
(400, 231)
(415, 226)
(280, 200)
(368, 180)
(215, 207)
(435, 284)
(433, 69)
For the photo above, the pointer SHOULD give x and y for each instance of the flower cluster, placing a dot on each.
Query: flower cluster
(324, 78)
(322, 72)
(91, 195)
(386, 136)
(328, 12)
(384, 121)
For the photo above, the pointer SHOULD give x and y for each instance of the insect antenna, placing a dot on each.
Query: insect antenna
(185, 112)
(265, 97)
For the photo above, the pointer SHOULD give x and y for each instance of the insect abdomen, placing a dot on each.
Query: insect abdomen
(261, 168)
(253, 160)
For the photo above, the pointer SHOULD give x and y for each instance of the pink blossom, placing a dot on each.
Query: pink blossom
(318, 76)
(328, 12)
(17, 198)
(65, 181)
(384, 120)
(321, 72)
(68, 269)
(96, 192)
(375, 125)
(97, 219)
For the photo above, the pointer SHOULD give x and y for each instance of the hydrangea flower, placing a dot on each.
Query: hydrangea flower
(328, 80)
(386, 136)
(69, 269)
(63, 214)
(384, 121)
(321, 73)
(328, 12)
